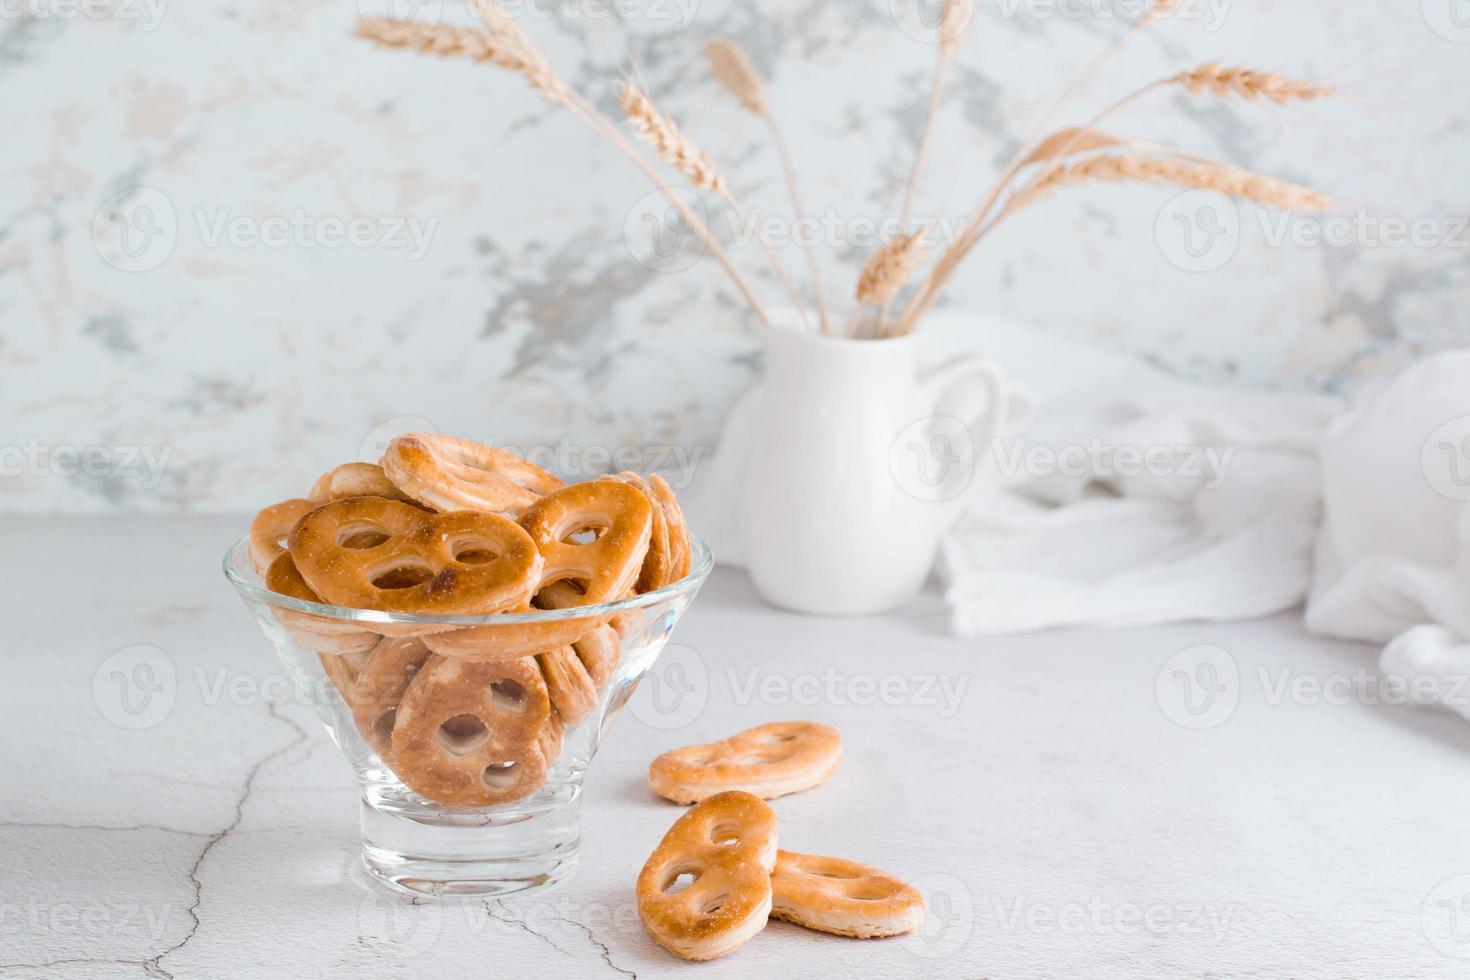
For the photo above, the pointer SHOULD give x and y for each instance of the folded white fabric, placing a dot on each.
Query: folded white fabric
(1393, 560)
(1131, 497)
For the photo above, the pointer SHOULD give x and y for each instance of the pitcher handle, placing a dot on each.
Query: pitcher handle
(981, 375)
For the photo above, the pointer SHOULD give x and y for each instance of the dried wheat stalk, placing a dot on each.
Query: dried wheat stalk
(887, 271)
(731, 65)
(670, 145)
(732, 68)
(1249, 84)
(1136, 167)
(504, 49)
(504, 45)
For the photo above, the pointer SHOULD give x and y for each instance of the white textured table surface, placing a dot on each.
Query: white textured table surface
(1041, 790)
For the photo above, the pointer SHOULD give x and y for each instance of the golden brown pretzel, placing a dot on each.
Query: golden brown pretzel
(681, 548)
(843, 897)
(470, 732)
(381, 683)
(768, 760)
(374, 553)
(609, 564)
(355, 480)
(727, 846)
(457, 474)
(342, 670)
(270, 529)
(658, 563)
(320, 634)
(572, 690)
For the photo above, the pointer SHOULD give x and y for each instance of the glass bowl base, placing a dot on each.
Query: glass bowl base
(445, 853)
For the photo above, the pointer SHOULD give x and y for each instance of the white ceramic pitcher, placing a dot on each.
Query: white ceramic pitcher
(857, 463)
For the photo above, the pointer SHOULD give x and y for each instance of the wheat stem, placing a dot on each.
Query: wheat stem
(732, 68)
(926, 295)
(661, 134)
(503, 44)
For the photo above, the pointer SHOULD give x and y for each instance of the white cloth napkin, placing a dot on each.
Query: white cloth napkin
(1393, 559)
(1131, 497)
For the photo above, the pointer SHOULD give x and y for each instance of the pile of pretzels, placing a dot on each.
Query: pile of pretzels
(441, 526)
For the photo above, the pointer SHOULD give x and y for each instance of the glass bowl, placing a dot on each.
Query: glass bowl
(488, 800)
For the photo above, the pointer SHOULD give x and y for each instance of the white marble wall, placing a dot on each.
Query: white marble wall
(495, 281)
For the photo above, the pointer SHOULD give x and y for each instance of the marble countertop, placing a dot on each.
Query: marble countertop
(1221, 800)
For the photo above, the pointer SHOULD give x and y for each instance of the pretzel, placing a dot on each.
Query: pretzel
(456, 474)
(658, 563)
(270, 529)
(610, 563)
(374, 553)
(727, 845)
(319, 634)
(469, 732)
(566, 595)
(842, 897)
(572, 690)
(381, 683)
(681, 548)
(769, 761)
(355, 480)
(553, 736)
(342, 670)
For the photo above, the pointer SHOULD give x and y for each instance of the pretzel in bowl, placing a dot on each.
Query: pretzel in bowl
(470, 732)
(375, 553)
(355, 480)
(768, 761)
(320, 634)
(707, 886)
(457, 474)
(271, 528)
(381, 683)
(608, 565)
(669, 554)
(501, 641)
(576, 674)
(843, 897)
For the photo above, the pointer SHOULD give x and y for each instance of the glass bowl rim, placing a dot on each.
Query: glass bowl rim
(703, 562)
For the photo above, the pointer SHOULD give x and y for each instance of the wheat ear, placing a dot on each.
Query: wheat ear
(954, 24)
(1249, 84)
(925, 296)
(732, 68)
(887, 271)
(1135, 167)
(504, 45)
(662, 135)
